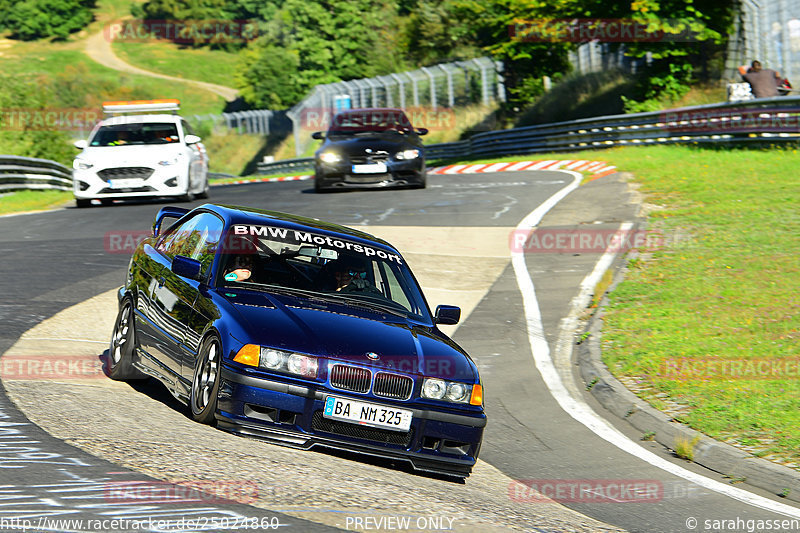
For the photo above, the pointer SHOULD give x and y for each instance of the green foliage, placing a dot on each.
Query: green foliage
(35, 19)
(26, 138)
(312, 42)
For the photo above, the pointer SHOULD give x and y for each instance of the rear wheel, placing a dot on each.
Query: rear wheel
(203, 195)
(205, 383)
(123, 342)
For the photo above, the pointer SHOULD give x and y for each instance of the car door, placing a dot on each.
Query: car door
(172, 297)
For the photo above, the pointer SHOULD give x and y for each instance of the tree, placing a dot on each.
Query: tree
(311, 42)
(35, 19)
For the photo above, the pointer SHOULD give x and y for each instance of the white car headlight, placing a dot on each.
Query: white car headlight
(329, 157)
(450, 391)
(407, 154)
(80, 164)
(278, 360)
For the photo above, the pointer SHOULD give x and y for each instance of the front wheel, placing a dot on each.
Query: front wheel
(205, 383)
(123, 341)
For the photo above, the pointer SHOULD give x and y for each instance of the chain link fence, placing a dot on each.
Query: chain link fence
(446, 85)
(769, 31)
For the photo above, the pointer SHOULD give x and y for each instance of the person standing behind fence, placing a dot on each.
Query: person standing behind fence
(763, 81)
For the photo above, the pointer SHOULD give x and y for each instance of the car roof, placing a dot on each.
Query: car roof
(233, 214)
(140, 119)
(370, 110)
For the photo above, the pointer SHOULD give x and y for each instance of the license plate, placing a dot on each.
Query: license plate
(125, 183)
(367, 414)
(372, 168)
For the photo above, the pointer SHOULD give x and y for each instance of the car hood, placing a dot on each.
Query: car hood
(130, 156)
(348, 334)
(390, 143)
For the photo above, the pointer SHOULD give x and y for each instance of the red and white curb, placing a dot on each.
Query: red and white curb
(598, 169)
(261, 180)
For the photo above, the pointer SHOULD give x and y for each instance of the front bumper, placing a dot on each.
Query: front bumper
(163, 181)
(438, 441)
(399, 174)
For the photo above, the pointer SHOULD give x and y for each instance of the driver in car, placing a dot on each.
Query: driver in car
(349, 275)
(241, 268)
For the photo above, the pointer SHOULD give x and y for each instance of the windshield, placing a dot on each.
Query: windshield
(136, 134)
(383, 121)
(315, 265)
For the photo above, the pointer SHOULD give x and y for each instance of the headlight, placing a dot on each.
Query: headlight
(329, 157)
(452, 391)
(407, 154)
(278, 360)
(79, 164)
(168, 162)
(434, 389)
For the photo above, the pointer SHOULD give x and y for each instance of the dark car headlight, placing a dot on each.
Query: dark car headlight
(278, 360)
(330, 157)
(407, 154)
(452, 391)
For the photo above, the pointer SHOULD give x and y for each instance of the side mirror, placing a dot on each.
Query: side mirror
(318, 135)
(192, 139)
(186, 267)
(447, 315)
(422, 131)
(80, 145)
(167, 212)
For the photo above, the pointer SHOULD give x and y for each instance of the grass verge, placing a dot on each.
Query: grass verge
(725, 294)
(24, 201)
(164, 57)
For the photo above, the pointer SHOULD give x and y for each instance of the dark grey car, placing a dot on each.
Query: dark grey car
(372, 148)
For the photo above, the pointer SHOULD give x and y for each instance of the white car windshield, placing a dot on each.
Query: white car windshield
(136, 134)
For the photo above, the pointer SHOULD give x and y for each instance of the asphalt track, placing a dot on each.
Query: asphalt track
(52, 261)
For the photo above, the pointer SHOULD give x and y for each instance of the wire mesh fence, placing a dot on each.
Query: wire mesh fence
(447, 85)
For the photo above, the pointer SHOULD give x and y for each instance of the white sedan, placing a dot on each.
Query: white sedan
(128, 156)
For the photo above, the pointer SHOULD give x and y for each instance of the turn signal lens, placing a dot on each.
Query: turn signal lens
(248, 355)
(477, 395)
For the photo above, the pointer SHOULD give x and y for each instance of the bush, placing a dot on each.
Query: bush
(36, 19)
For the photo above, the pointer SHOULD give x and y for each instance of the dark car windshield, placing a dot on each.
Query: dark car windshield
(371, 121)
(136, 134)
(315, 265)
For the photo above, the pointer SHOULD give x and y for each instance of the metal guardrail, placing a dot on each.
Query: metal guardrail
(302, 164)
(767, 120)
(21, 173)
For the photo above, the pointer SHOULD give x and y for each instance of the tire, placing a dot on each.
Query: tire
(205, 381)
(188, 197)
(317, 187)
(123, 343)
(81, 203)
(204, 195)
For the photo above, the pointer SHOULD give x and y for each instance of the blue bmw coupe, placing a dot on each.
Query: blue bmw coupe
(300, 332)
